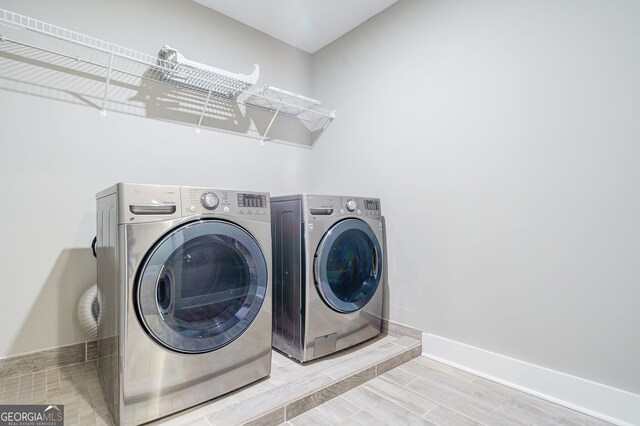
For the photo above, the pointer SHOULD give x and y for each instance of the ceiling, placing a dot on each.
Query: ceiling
(306, 24)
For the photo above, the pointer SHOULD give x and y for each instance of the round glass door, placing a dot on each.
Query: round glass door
(201, 286)
(348, 265)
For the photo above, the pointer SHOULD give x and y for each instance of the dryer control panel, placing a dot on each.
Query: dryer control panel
(321, 206)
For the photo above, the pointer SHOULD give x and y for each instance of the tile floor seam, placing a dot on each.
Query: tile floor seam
(431, 409)
(527, 404)
(463, 415)
(312, 392)
(460, 394)
(404, 386)
(407, 350)
(354, 403)
(429, 399)
(490, 392)
(366, 411)
(407, 347)
(350, 416)
(389, 357)
(329, 385)
(389, 401)
(281, 405)
(339, 400)
(507, 400)
(575, 423)
(479, 421)
(408, 390)
(268, 413)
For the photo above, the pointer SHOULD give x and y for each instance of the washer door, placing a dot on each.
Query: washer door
(201, 286)
(348, 265)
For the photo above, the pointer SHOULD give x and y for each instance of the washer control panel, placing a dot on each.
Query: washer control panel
(221, 202)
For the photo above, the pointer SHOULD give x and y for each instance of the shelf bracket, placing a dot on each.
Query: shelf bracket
(206, 104)
(103, 112)
(269, 126)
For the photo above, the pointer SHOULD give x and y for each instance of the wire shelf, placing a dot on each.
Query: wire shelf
(197, 81)
(177, 70)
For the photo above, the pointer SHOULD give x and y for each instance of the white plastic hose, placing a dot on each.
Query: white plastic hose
(89, 310)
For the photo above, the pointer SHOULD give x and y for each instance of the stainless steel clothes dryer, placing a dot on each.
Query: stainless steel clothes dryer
(183, 275)
(327, 270)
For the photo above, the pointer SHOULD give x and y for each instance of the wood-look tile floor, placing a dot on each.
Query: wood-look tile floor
(420, 391)
(75, 386)
(292, 387)
(425, 392)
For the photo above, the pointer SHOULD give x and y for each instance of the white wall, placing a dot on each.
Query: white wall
(56, 151)
(503, 139)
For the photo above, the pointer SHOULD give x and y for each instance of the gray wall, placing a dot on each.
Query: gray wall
(503, 139)
(56, 151)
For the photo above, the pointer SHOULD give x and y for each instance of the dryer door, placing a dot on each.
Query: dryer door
(348, 265)
(201, 286)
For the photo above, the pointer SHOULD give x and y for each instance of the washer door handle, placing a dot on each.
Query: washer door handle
(316, 276)
(316, 272)
(375, 264)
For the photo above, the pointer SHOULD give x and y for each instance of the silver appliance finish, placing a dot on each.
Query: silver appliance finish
(142, 378)
(306, 325)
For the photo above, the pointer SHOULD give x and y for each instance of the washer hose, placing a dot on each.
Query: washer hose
(89, 310)
(90, 304)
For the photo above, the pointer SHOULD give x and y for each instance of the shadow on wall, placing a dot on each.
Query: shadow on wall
(65, 78)
(52, 320)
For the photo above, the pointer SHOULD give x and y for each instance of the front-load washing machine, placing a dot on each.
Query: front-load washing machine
(183, 278)
(327, 273)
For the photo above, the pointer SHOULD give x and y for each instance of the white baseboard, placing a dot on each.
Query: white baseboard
(595, 399)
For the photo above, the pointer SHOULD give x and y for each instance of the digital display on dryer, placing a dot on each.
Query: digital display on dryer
(252, 200)
(371, 205)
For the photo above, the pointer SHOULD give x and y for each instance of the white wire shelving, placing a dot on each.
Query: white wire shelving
(113, 63)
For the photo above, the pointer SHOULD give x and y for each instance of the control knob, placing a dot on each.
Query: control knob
(351, 205)
(209, 200)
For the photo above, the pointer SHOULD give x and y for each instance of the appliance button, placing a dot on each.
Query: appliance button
(193, 209)
(226, 209)
(351, 205)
